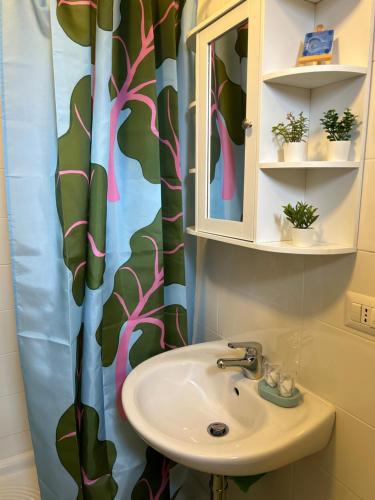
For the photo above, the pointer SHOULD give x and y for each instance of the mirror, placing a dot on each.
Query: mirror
(228, 80)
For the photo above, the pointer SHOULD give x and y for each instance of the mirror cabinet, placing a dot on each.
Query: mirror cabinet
(247, 80)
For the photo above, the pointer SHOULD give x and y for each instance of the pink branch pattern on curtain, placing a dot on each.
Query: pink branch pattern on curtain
(125, 93)
(144, 137)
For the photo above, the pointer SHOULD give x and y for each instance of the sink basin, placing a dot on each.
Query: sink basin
(172, 398)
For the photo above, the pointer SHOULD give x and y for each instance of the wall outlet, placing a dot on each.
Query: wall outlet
(365, 314)
(360, 312)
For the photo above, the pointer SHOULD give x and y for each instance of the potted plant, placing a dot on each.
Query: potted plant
(293, 134)
(339, 132)
(302, 216)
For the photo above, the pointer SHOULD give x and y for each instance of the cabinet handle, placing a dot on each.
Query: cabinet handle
(246, 124)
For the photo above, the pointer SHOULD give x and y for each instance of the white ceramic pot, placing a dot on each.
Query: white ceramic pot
(338, 150)
(303, 237)
(295, 151)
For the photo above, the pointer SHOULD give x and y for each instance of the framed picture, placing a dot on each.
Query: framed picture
(318, 43)
(317, 47)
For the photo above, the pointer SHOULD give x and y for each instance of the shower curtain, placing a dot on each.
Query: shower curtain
(95, 96)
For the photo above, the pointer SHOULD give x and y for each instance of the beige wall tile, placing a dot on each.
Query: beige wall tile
(4, 242)
(15, 444)
(370, 144)
(266, 277)
(3, 208)
(327, 279)
(6, 288)
(312, 483)
(13, 415)
(239, 313)
(350, 456)
(8, 336)
(204, 334)
(10, 374)
(367, 221)
(208, 285)
(335, 365)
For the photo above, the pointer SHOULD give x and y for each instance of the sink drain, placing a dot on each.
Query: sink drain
(217, 429)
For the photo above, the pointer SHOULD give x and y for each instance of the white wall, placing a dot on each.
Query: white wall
(295, 305)
(14, 433)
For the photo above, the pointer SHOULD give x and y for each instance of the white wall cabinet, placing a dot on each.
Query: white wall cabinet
(240, 193)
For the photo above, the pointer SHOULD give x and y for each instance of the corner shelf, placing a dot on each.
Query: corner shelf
(309, 165)
(277, 246)
(311, 77)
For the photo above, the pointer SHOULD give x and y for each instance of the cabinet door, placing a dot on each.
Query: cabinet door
(227, 102)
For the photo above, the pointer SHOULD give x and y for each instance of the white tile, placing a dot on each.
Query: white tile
(8, 336)
(13, 414)
(328, 278)
(14, 444)
(370, 143)
(367, 221)
(20, 484)
(3, 207)
(10, 374)
(339, 366)
(274, 485)
(350, 456)
(267, 277)
(4, 242)
(243, 318)
(208, 283)
(312, 483)
(205, 335)
(6, 288)
(363, 277)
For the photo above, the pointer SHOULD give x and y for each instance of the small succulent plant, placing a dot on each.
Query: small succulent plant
(302, 216)
(294, 130)
(339, 129)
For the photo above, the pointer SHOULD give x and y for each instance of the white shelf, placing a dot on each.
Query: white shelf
(318, 249)
(308, 165)
(311, 77)
(277, 246)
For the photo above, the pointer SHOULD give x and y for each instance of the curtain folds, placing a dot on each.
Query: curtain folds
(95, 96)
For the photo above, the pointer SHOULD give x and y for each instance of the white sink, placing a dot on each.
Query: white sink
(171, 399)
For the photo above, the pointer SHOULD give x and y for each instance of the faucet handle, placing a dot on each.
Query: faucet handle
(246, 345)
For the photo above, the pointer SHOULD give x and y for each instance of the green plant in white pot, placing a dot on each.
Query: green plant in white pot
(293, 135)
(339, 133)
(302, 216)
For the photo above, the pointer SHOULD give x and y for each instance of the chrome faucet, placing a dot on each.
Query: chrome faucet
(251, 364)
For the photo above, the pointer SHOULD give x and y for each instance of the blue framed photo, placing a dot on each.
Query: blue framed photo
(318, 42)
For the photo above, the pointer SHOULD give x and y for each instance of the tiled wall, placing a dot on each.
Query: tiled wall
(14, 434)
(295, 305)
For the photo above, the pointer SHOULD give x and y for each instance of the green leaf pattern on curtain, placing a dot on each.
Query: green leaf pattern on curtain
(147, 35)
(154, 479)
(86, 458)
(81, 189)
(78, 18)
